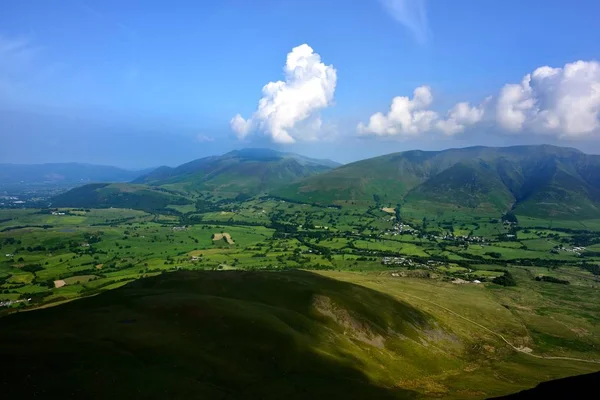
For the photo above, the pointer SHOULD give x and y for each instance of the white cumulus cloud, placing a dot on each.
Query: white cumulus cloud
(564, 102)
(459, 117)
(412, 117)
(288, 107)
(407, 117)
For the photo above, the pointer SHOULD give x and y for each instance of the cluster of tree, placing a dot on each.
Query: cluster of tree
(551, 279)
(14, 228)
(301, 202)
(203, 206)
(115, 222)
(505, 280)
(593, 268)
(92, 238)
(10, 240)
(33, 268)
(493, 254)
(510, 217)
(36, 297)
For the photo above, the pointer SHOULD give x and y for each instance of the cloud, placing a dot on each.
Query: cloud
(406, 117)
(204, 138)
(410, 13)
(564, 102)
(288, 107)
(24, 68)
(17, 59)
(16, 53)
(411, 117)
(460, 116)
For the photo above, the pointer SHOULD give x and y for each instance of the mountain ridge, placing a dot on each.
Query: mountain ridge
(64, 173)
(236, 170)
(562, 181)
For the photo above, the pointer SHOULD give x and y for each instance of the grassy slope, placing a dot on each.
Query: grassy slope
(469, 185)
(269, 335)
(118, 195)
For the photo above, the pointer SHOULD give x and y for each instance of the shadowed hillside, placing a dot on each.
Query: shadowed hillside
(574, 387)
(243, 334)
(213, 334)
(223, 334)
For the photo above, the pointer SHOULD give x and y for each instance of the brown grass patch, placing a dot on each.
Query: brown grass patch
(59, 283)
(352, 326)
(221, 236)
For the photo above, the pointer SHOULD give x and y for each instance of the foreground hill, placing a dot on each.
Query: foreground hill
(63, 174)
(215, 335)
(267, 335)
(534, 180)
(248, 171)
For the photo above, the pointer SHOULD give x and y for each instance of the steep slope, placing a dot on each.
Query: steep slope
(63, 174)
(118, 195)
(537, 180)
(248, 171)
(466, 184)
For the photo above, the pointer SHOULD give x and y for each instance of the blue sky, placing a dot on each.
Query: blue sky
(145, 83)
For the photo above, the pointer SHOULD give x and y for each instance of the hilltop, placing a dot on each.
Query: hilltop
(247, 171)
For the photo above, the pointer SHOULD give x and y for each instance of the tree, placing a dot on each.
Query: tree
(510, 217)
(505, 280)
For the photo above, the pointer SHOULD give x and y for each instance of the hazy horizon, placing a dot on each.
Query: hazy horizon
(142, 84)
(150, 167)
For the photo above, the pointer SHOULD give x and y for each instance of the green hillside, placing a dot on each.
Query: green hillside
(247, 171)
(118, 195)
(535, 180)
(241, 335)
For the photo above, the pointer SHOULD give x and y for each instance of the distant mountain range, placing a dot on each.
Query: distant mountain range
(240, 172)
(539, 181)
(531, 180)
(64, 174)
